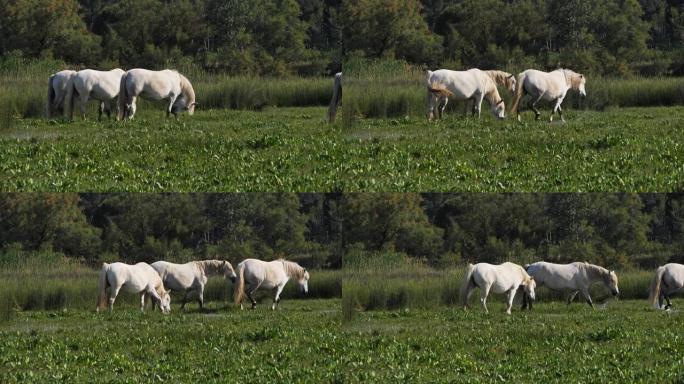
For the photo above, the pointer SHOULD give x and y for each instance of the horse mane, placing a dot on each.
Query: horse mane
(571, 77)
(209, 266)
(293, 269)
(500, 77)
(594, 269)
(186, 89)
(492, 91)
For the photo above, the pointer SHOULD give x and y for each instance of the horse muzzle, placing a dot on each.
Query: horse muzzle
(615, 293)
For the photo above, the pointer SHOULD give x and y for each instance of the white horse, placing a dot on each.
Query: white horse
(668, 279)
(575, 277)
(503, 278)
(253, 273)
(140, 278)
(336, 97)
(57, 89)
(156, 85)
(98, 85)
(463, 85)
(192, 276)
(549, 86)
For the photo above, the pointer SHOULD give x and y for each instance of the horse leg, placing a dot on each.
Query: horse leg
(82, 106)
(483, 297)
(571, 297)
(130, 107)
(478, 105)
(100, 110)
(511, 295)
(441, 111)
(142, 302)
(185, 300)
(169, 110)
(585, 292)
(200, 296)
(667, 299)
(533, 106)
(276, 300)
(113, 292)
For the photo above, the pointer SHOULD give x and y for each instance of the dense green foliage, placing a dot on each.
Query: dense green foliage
(627, 341)
(274, 37)
(298, 343)
(329, 230)
(616, 37)
(173, 227)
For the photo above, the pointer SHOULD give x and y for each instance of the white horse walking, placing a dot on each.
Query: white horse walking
(155, 85)
(336, 97)
(549, 86)
(57, 89)
(465, 85)
(192, 276)
(253, 273)
(668, 279)
(98, 85)
(140, 278)
(575, 277)
(503, 278)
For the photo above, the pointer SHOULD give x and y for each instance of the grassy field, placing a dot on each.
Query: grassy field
(298, 343)
(293, 149)
(625, 342)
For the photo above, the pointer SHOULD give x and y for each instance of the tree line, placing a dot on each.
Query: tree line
(611, 37)
(313, 37)
(320, 230)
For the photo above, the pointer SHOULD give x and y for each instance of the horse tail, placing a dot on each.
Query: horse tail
(467, 278)
(102, 301)
(655, 286)
(123, 96)
(519, 90)
(69, 98)
(240, 288)
(50, 96)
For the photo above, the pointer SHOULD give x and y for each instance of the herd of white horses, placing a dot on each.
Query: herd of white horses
(67, 87)
(578, 277)
(153, 282)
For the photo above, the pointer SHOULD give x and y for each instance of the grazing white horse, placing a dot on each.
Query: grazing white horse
(253, 273)
(98, 85)
(575, 277)
(57, 89)
(503, 278)
(668, 279)
(140, 278)
(156, 85)
(336, 97)
(464, 85)
(192, 276)
(549, 86)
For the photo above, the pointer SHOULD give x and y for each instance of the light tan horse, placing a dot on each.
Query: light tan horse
(549, 86)
(57, 90)
(667, 280)
(140, 278)
(155, 85)
(472, 84)
(574, 277)
(91, 84)
(503, 278)
(336, 97)
(253, 274)
(192, 276)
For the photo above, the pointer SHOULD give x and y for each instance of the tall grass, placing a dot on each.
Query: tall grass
(386, 89)
(24, 90)
(390, 283)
